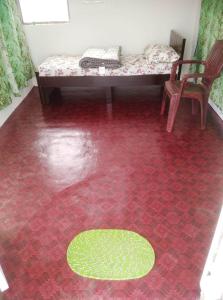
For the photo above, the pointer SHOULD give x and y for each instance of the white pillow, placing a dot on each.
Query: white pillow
(160, 54)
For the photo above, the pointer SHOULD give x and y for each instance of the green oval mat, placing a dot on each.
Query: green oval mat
(110, 254)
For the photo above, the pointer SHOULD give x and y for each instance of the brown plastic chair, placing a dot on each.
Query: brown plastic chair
(177, 89)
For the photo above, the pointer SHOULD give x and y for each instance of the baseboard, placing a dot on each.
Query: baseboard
(216, 109)
(217, 116)
(6, 112)
(35, 81)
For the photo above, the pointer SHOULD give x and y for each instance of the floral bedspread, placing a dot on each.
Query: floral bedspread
(131, 65)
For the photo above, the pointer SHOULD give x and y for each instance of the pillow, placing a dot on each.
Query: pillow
(160, 54)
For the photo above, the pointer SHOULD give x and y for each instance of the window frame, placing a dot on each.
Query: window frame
(44, 22)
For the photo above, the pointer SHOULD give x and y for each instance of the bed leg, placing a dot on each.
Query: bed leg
(44, 97)
(109, 102)
(42, 93)
(58, 92)
(109, 95)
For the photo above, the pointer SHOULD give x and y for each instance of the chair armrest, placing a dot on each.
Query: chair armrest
(198, 62)
(182, 62)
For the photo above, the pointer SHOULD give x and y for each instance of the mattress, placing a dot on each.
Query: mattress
(131, 65)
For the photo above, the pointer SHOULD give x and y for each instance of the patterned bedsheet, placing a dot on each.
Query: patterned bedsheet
(131, 65)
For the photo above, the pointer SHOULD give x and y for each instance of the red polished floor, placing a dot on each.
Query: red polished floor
(74, 166)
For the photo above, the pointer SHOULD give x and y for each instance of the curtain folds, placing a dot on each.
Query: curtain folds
(16, 66)
(211, 29)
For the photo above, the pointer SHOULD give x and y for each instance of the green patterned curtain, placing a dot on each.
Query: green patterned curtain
(16, 66)
(211, 29)
(5, 88)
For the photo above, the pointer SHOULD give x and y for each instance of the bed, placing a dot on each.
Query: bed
(58, 72)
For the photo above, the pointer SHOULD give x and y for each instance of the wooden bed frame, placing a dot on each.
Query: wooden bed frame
(48, 83)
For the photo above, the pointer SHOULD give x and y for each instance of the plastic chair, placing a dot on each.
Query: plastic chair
(177, 89)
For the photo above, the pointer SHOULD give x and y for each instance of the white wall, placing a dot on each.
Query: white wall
(129, 23)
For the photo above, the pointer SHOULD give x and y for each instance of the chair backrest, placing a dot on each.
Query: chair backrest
(214, 64)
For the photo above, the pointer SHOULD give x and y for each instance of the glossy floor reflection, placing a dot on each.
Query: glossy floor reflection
(75, 165)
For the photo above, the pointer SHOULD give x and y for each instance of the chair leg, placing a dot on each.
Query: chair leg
(174, 104)
(163, 106)
(204, 109)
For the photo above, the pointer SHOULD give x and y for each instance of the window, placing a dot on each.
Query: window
(44, 11)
